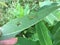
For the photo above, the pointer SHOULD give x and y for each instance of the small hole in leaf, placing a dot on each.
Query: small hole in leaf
(18, 24)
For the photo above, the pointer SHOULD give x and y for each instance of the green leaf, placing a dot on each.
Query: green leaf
(43, 34)
(57, 43)
(56, 33)
(34, 37)
(50, 19)
(56, 37)
(24, 41)
(20, 10)
(57, 14)
(55, 28)
(27, 9)
(12, 28)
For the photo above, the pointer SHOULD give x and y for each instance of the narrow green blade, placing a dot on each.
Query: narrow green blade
(43, 34)
(19, 24)
(24, 41)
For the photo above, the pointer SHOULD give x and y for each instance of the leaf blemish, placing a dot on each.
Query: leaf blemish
(31, 17)
(18, 24)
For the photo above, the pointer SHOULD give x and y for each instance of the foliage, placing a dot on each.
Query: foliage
(33, 22)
